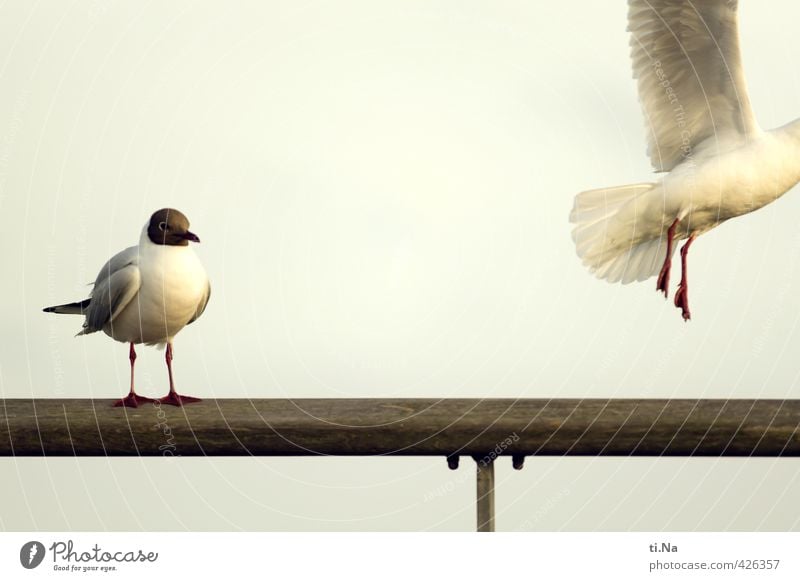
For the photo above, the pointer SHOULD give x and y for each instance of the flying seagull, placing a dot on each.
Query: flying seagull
(147, 293)
(719, 163)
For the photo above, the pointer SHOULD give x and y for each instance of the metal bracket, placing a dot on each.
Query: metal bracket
(485, 493)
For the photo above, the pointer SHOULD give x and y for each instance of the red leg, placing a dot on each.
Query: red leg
(132, 400)
(172, 397)
(663, 277)
(682, 294)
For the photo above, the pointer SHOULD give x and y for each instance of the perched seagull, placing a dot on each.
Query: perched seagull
(147, 293)
(702, 132)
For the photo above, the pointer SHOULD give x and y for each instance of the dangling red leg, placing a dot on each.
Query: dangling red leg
(172, 397)
(682, 294)
(663, 277)
(132, 400)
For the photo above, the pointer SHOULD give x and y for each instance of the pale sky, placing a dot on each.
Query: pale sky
(382, 192)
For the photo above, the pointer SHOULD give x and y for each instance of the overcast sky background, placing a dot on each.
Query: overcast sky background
(382, 192)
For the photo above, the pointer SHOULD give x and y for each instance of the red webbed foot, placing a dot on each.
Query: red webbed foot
(172, 398)
(133, 400)
(682, 302)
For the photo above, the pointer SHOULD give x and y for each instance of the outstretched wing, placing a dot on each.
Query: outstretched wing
(687, 62)
(116, 285)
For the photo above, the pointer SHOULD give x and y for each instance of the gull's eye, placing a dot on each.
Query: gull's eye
(162, 226)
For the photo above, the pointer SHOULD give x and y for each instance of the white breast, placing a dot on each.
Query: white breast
(173, 284)
(718, 185)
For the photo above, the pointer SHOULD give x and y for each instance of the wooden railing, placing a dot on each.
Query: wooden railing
(483, 429)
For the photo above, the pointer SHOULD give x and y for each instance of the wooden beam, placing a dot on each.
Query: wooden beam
(406, 427)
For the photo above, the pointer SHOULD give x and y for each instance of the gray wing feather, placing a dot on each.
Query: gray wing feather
(116, 285)
(687, 62)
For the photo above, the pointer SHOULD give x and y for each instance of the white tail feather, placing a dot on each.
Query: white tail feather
(600, 235)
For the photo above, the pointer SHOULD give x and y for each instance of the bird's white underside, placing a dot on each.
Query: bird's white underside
(161, 289)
